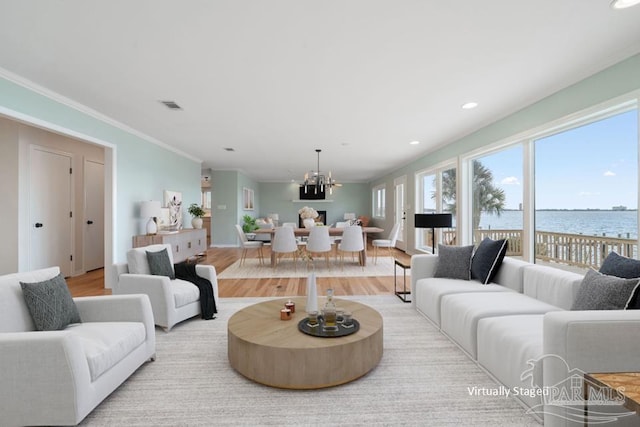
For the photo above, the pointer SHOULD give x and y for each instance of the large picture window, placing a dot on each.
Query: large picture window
(497, 207)
(586, 192)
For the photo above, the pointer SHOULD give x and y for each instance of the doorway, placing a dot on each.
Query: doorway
(400, 211)
(50, 210)
(93, 221)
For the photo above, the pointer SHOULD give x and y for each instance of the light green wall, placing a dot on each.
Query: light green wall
(610, 83)
(278, 198)
(227, 191)
(143, 170)
(224, 207)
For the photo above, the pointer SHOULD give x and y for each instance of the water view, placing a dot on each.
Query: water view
(587, 222)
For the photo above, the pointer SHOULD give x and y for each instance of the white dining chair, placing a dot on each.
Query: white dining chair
(247, 244)
(319, 242)
(389, 242)
(284, 242)
(352, 241)
(293, 225)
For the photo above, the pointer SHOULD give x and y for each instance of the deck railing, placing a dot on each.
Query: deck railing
(572, 249)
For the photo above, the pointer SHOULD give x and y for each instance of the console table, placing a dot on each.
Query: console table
(185, 244)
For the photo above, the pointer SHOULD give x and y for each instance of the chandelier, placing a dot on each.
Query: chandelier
(317, 181)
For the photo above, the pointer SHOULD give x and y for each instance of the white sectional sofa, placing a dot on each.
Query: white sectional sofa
(56, 377)
(521, 331)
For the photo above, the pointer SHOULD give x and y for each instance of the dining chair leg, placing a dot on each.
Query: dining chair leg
(243, 256)
(375, 254)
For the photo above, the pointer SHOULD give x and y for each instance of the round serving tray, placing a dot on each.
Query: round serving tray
(318, 331)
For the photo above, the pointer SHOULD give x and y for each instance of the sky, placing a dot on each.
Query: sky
(594, 166)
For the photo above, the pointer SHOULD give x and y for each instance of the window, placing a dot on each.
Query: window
(565, 194)
(378, 197)
(586, 192)
(436, 194)
(497, 208)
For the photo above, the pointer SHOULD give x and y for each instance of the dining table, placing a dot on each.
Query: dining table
(333, 231)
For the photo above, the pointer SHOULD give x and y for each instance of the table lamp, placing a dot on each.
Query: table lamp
(433, 221)
(150, 209)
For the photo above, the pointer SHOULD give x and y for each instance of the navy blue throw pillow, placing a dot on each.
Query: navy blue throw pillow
(487, 260)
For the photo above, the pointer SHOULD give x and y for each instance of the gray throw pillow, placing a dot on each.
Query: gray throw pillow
(601, 292)
(454, 262)
(50, 304)
(160, 264)
(488, 259)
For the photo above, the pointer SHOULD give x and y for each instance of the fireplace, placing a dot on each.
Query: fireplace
(322, 217)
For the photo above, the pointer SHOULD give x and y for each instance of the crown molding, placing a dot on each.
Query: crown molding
(54, 96)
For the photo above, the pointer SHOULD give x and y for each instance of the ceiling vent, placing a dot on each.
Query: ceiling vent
(229, 149)
(171, 105)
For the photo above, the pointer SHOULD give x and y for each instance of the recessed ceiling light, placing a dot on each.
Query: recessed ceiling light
(623, 4)
(469, 105)
(414, 142)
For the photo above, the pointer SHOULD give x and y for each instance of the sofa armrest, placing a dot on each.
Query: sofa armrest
(117, 308)
(422, 266)
(209, 272)
(45, 370)
(577, 342)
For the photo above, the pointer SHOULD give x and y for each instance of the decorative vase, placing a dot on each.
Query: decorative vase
(312, 294)
(309, 223)
(196, 222)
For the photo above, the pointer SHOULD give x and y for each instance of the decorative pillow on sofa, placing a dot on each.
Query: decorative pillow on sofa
(488, 259)
(454, 262)
(601, 292)
(620, 266)
(160, 264)
(50, 304)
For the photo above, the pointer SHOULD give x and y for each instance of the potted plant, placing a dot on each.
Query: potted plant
(197, 212)
(249, 226)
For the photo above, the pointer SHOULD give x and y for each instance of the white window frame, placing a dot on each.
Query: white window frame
(527, 138)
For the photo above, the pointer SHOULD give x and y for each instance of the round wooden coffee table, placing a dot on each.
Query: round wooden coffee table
(274, 352)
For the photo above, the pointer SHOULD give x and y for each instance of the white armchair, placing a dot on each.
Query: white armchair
(58, 377)
(172, 301)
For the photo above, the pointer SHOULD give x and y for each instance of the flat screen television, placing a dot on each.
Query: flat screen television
(311, 192)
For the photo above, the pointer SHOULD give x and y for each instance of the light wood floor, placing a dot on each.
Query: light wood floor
(92, 283)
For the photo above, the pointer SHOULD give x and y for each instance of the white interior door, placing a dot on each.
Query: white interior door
(400, 211)
(50, 210)
(93, 224)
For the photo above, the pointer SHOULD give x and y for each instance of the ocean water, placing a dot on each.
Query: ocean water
(590, 223)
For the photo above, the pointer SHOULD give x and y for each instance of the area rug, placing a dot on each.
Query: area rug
(251, 269)
(422, 379)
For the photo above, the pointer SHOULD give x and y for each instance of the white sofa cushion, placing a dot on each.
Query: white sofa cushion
(184, 292)
(460, 313)
(429, 293)
(551, 285)
(510, 348)
(107, 343)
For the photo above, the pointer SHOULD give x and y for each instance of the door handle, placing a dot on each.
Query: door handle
(89, 222)
(38, 225)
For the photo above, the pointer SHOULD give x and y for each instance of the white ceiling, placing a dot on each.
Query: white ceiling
(276, 79)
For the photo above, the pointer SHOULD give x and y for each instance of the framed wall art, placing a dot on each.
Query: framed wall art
(247, 199)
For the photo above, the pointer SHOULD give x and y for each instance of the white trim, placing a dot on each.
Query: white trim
(40, 90)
